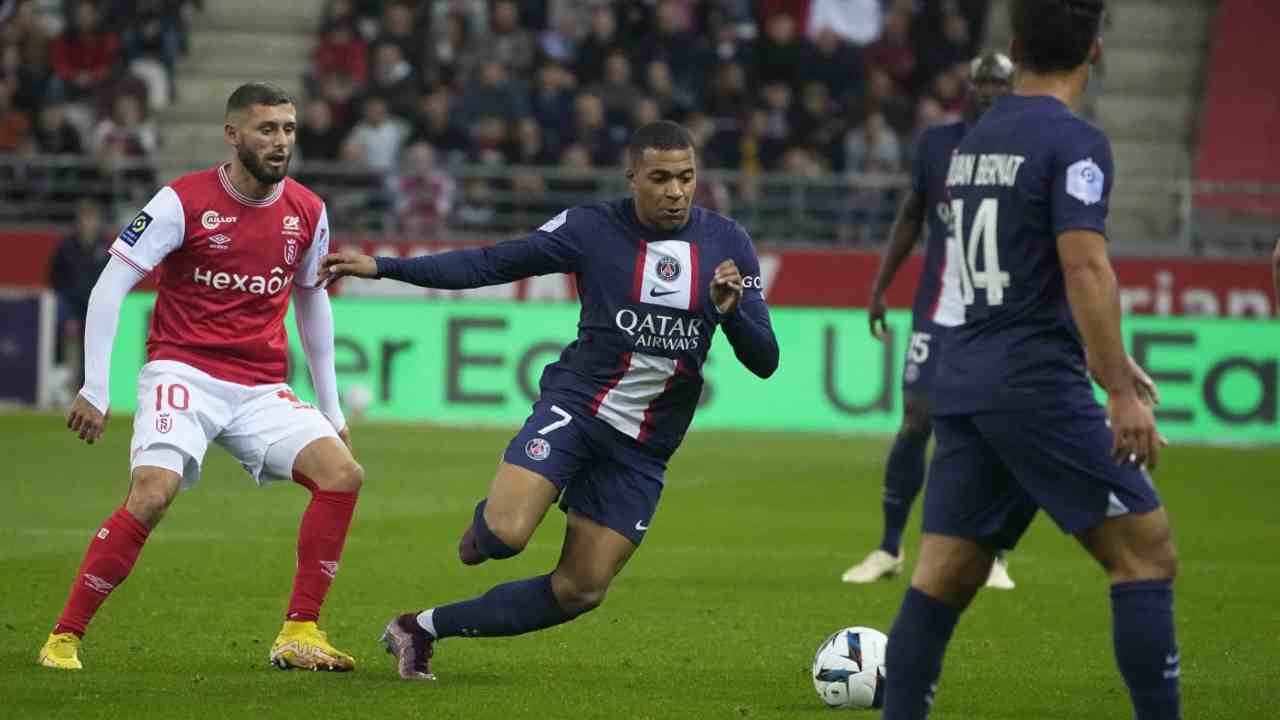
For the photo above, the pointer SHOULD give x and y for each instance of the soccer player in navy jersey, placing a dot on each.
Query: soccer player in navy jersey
(1017, 425)
(656, 276)
(991, 77)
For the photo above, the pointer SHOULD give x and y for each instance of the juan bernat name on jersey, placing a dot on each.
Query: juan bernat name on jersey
(984, 169)
(657, 331)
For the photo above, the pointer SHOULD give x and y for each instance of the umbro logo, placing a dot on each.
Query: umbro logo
(219, 242)
(653, 292)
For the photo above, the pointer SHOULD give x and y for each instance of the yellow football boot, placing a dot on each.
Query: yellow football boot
(61, 651)
(304, 646)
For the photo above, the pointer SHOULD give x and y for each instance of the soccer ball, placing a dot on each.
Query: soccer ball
(356, 400)
(848, 669)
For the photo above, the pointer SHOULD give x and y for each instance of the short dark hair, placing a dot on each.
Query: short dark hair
(660, 135)
(257, 93)
(1055, 35)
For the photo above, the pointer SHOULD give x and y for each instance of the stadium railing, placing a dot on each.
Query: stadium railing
(461, 202)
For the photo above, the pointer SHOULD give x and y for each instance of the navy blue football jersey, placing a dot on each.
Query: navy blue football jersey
(1028, 171)
(647, 320)
(928, 180)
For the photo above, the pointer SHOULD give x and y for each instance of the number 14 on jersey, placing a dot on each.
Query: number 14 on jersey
(982, 238)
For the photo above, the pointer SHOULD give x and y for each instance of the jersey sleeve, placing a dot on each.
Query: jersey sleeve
(154, 232)
(749, 329)
(1081, 187)
(552, 248)
(307, 275)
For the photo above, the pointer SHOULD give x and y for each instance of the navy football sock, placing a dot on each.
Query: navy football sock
(903, 477)
(513, 608)
(913, 660)
(1146, 650)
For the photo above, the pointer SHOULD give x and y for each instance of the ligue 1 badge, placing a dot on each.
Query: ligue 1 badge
(537, 449)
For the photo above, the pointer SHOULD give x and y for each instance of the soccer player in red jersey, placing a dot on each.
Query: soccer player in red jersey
(231, 244)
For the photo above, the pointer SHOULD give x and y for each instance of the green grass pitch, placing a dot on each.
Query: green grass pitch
(717, 616)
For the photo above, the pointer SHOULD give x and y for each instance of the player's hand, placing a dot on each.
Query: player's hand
(85, 419)
(347, 263)
(726, 287)
(345, 436)
(1133, 425)
(1143, 383)
(875, 316)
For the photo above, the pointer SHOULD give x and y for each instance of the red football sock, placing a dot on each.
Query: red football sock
(320, 540)
(107, 562)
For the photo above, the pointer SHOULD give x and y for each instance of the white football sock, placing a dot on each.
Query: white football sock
(426, 621)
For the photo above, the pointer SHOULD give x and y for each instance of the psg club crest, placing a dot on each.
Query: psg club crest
(538, 449)
(164, 423)
(290, 251)
(668, 268)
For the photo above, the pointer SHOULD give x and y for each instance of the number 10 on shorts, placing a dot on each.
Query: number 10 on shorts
(176, 395)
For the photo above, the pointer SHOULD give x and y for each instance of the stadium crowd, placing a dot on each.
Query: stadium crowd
(808, 87)
(82, 78)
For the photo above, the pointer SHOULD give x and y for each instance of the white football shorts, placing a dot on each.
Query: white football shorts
(181, 409)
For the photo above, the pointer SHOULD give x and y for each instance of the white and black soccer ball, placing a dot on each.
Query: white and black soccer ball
(848, 669)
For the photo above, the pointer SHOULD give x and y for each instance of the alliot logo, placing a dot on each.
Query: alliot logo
(211, 219)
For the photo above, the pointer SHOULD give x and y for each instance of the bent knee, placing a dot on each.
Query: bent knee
(578, 598)
(1158, 561)
(151, 493)
(344, 477)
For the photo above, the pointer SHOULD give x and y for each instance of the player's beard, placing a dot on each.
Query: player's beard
(259, 170)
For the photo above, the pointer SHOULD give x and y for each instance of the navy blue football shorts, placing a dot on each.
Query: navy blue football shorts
(990, 473)
(600, 472)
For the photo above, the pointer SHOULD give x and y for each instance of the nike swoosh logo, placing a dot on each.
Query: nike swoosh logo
(1172, 659)
(653, 292)
(641, 526)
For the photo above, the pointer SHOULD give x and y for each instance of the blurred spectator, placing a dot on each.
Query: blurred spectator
(781, 56)
(955, 45)
(592, 132)
(54, 135)
(379, 136)
(873, 147)
(672, 41)
(949, 89)
(602, 39)
(441, 59)
(818, 125)
(893, 52)
(493, 95)
(398, 28)
(506, 42)
(15, 126)
(746, 146)
(727, 98)
(424, 194)
(437, 126)
(84, 55)
(122, 142)
(318, 138)
(527, 146)
(24, 56)
(616, 90)
(674, 101)
(645, 111)
(488, 134)
(884, 97)
(857, 21)
(393, 79)
(836, 65)
(73, 271)
(152, 43)
(575, 185)
(551, 101)
(340, 55)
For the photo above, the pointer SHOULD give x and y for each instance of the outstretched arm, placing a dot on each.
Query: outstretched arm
(539, 253)
(903, 236)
